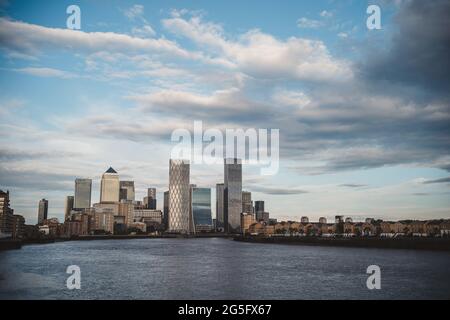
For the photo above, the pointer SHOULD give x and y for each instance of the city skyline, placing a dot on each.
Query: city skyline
(361, 133)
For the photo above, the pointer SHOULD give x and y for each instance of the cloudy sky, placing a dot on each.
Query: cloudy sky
(364, 115)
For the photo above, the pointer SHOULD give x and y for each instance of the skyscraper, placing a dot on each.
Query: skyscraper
(201, 208)
(83, 188)
(247, 203)
(68, 207)
(166, 210)
(259, 210)
(43, 211)
(232, 195)
(179, 196)
(127, 190)
(150, 199)
(6, 213)
(219, 206)
(110, 186)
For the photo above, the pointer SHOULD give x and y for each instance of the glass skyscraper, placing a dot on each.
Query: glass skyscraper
(127, 190)
(179, 196)
(232, 195)
(83, 188)
(201, 207)
(219, 206)
(43, 211)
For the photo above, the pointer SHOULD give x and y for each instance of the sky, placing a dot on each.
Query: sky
(364, 115)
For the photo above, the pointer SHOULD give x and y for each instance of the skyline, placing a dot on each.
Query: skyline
(361, 134)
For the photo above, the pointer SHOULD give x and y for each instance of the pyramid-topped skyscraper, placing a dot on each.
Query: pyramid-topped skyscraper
(110, 186)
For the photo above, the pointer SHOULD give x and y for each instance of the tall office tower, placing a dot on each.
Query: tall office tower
(219, 206)
(247, 203)
(179, 196)
(151, 198)
(232, 195)
(110, 186)
(43, 211)
(201, 209)
(83, 188)
(68, 207)
(127, 190)
(259, 210)
(166, 210)
(6, 214)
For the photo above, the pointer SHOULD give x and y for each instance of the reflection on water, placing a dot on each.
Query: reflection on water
(218, 269)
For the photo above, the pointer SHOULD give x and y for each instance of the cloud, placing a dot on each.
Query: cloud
(26, 37)
(419, 47)
(46, 72)
(353, 185)
(261, 55)
(306, 23)
(144, 31)
(442, 180)
(134, 12)
(277, 190)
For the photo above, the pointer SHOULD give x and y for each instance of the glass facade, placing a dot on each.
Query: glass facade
(201, 206)
(179, 196)
(233, 195)
(219, 206)
(83, 189)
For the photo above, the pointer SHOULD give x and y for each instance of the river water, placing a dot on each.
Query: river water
(215, 268)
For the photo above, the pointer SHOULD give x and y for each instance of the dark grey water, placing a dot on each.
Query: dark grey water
(218, 269)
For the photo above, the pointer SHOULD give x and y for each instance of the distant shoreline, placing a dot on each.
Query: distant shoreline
(434, 244)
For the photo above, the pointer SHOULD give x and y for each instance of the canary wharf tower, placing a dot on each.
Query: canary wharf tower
(179, 196)
(232, 195)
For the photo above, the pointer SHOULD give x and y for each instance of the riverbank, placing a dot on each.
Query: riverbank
(17, 244)
(435, 244)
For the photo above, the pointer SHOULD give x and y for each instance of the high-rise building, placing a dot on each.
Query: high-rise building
(83, 188)
(68, 207)
(110, 186)
(127, 190)
(201, 208)
(150, 199)
(247, 203)
(166, 209)
(43, 211)
(259, 210)
(179, 196)
(6, 214)
(232, 195)
(220, 221)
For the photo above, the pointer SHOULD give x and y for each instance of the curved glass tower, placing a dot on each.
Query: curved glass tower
(179, 196)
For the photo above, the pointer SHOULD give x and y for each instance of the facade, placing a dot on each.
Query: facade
(179, 196)
(104, 216)
(201, 208)
(110, 186)
(150, 199)
(247, 219)
(83, 189)
(127, 190)
(220, 222)
(6, 214)
(42, 211)
(247, 203)
(18, 227)
(126, 209)
(232, 195)
(166, 209)
(259, 210)
(68, 207)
